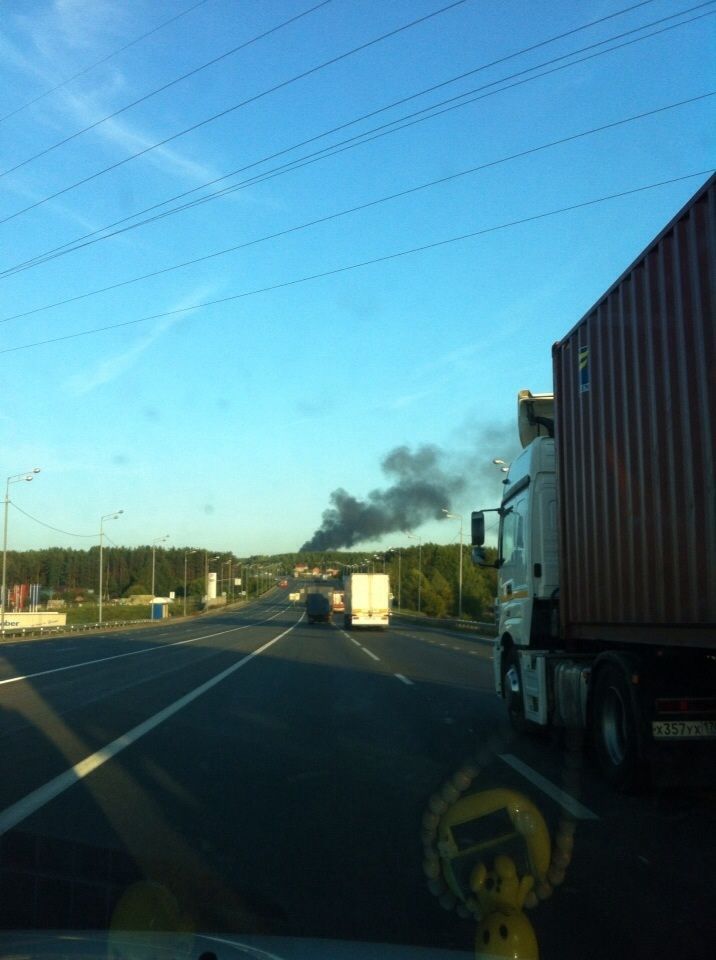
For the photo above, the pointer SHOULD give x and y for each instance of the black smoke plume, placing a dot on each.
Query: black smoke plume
(422, 487)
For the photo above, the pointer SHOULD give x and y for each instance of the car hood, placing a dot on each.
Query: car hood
(90, 945)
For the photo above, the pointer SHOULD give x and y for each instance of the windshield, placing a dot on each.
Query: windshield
(272, 276)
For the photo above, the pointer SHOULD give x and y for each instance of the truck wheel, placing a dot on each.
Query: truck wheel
(614, 730)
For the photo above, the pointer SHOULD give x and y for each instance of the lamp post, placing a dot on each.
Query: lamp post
(154, 556)
(504, 467)
(228, 563)
(187, 553)
(107, 516)
(412, 536)
(457, 516)
(399, 551)
(27, 477)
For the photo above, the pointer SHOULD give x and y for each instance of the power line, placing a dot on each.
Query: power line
(393, 126)
(363, 206)
(166, 86)
(262, 36)
(97, 63)
(85, 536)
(355, 266)
(236, 106)
(77, 240)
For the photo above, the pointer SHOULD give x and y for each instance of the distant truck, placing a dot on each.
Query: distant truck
(283, 584)
(367, 600)
(607, 541)
(318, 607)
(339, 604)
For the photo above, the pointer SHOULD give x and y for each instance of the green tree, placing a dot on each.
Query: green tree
(136, 590)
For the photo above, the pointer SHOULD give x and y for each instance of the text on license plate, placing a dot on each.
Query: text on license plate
(683, 729)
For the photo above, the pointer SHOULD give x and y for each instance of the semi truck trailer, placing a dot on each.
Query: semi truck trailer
(606, 554)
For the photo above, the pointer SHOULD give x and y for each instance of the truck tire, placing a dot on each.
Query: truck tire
(615, 732)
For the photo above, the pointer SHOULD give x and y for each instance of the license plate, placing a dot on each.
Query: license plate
(683, 729)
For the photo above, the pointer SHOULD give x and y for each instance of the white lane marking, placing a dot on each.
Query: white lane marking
(404, 679)
(353, 640)
(565, 800)
(17, 812)
(133, 653)
(258, 953)
(369, 652)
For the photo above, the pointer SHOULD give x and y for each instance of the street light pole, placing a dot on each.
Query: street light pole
(400, 577)
(107, 516)
(457, 516)
(412, 536)
(399, 551)
(27, 477)
(187, 553)
(154, 556)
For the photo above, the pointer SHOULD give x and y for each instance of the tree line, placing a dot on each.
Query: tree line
(425, 579)
(68, 573)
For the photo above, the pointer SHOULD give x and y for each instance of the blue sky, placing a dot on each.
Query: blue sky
(229, 426)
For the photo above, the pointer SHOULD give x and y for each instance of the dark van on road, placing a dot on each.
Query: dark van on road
(318, 608)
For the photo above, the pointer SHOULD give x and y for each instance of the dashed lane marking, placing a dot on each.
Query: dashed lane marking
(369, 652)
(405, 680)
(565, 800)
(34, 801)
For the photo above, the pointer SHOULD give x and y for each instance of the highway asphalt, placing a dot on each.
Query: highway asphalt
(270, 777)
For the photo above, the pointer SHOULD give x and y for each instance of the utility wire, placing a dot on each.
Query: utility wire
(76, 243)
(363, 206)
(356, 266)
(166, 86)
(85, 536)
(97, 63)
(261, 36)
(425, 113)
(236, 106)
(325, 152)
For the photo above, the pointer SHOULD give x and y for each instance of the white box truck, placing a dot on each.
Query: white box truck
(367, 600)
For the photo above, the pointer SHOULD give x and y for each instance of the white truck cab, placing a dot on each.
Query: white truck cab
(527, 561)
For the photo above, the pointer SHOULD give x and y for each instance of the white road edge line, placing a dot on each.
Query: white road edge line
(369, 652)
(22, 809)
(565, 800)
(133, 653)
(404, 679)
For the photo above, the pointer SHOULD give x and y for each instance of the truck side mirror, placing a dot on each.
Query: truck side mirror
(478, 529)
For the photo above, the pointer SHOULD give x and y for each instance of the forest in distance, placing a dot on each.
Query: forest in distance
(425, 578)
